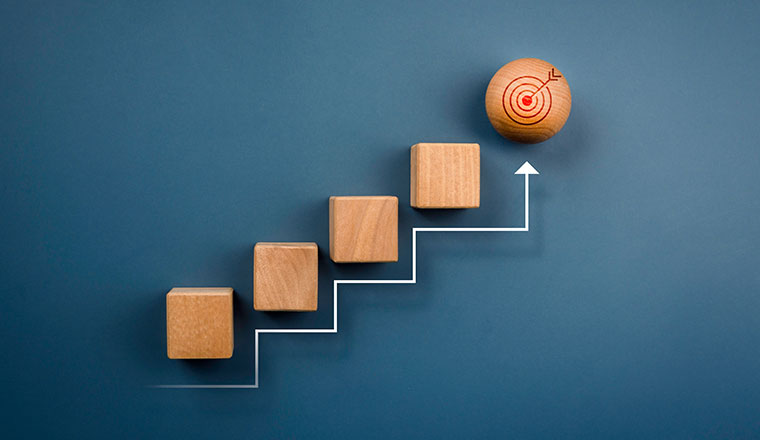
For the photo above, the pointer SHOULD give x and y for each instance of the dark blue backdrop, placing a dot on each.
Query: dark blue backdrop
(151, 145)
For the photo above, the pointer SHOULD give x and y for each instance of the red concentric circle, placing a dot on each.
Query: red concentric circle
(526, 101)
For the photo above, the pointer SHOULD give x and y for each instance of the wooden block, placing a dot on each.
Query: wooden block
(445, 176)
(199, 323)
(528, 100)
(285, 277)
(364, 229)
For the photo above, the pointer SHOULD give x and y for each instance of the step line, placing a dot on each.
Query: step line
(336, 283)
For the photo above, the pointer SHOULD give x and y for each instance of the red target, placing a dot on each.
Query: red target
(527, 100)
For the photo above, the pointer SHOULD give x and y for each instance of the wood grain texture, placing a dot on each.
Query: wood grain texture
(364, 229)
(445, 176)
(528, 100)
(199, 323)
(285, 277)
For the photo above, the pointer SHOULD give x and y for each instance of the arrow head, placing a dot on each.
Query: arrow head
(526, 169)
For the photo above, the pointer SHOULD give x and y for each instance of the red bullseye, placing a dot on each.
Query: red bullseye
(535, 100)
(527, 100)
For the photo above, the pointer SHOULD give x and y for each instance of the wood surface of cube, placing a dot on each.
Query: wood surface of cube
(285, 277)
(445, 176)
(199, 323)
(364, 229)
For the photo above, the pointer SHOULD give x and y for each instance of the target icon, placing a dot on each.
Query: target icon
(527, 100)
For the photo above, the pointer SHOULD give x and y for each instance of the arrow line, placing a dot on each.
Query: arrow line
(552, 77)
(525, 169)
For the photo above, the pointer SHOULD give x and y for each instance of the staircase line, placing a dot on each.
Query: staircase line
(527, 171)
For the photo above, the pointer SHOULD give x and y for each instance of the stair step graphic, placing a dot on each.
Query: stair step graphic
(526, 170)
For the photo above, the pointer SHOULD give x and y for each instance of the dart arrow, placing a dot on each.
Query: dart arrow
(552, 77)
(526, 169)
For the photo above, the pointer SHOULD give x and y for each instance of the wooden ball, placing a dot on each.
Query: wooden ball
(528, 100)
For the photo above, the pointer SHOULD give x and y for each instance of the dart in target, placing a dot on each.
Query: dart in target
(528, 100)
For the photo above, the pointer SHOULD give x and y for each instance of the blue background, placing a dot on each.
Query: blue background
(146, 146)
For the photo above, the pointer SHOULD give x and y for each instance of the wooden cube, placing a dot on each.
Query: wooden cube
(199, 323)
(445, 176)
(364, 229)
(285, 277)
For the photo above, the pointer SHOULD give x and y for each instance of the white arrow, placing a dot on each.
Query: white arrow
(526, 169)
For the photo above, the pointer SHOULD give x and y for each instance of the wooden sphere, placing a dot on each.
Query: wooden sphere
(528, 100)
